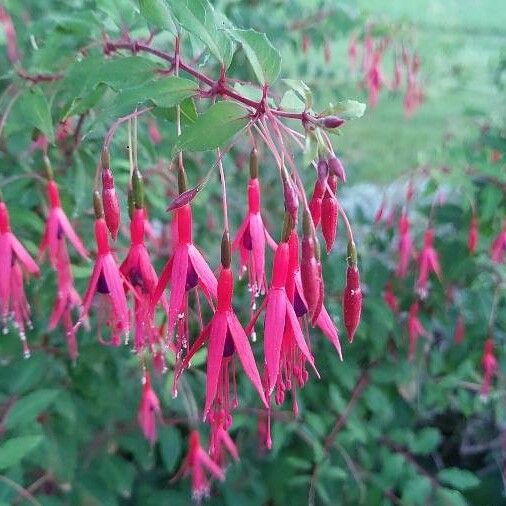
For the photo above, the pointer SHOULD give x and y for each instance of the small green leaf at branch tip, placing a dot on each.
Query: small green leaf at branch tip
(264, 58)
(460, 479)
(347, 109)
(14, 449)
(157, 13)
(302, 90)
(35, 108)
(310, 148)
(213, 129)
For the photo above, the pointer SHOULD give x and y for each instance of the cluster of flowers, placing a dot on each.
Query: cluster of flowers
(373, 80)
(291, 302)
(427, 260)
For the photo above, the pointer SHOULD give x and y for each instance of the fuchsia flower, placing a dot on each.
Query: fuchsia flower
(352, 297)
(251, 236)
(489, 364)
(390, 298)
(142, 279)
(225, 337)
(352, 53)
(415, 329)
(374, 78)
(57, 226)
(154, 133)
(498, 248)
(282, 333)
(109, 198)
(14, 257)
(428, 261)
(330, 213)
(10, 36)
(196, 463)
(472, 238)
(405, 246)
(186, 269)
(149, 409)
(107, 282)
(67, 299)
(63, 130)
(220, 442)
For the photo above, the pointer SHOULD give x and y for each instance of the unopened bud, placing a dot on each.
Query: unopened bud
(332, 122)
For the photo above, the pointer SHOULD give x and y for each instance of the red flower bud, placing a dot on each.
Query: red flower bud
(290, 197)
(352, 298)
(315, 204)
(332, 122)
(336, 167)
(110, 202)
(329, 214)
(309, 269)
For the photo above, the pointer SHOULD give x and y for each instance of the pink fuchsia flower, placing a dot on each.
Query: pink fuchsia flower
(225, 337)
(405, 247)
(281, 325)
(149, 409)
(428, 262)
(57, 226)
(251, 237)
(390, 298)
(13, 259)
(330, 213)
(352, 297)
(472, 238)
(415, 329)
(10, 36)
(142, 281)
(220, 442)
(154, 133)
(106, 281)
(489, 365)
(352, 53)
(186, 269)
(63, 130)
(196, 463)
(67, 299)
(374, 78)
(110, 202)
(498, 248)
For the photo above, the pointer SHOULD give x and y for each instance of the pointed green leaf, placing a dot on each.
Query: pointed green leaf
(200, 19)
(292, 102)
(461, 479)
(35, 108)
(13, 450)
(29, 407)
(302, 89)
(214, 128)
(347, 109)
(262, 55)
(157, 13)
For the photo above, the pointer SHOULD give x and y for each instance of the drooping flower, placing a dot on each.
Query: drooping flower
(107, 283)
(57, 226)
(498, 248)
(415, 329)
(405, 247)
(390, 298)
(14, 258)
(374, 78)
(251, 237)
(149, 409)
(281, 328)
(186, 269)
(109, 198)
(141, 276)
(489, 364)
(225, 337)
(472, 238)
(220, 441)
(67, 299)
(352, 297)
(428, 262)
(330, 213)
(315, 203)
(352, 53)
(196, 463)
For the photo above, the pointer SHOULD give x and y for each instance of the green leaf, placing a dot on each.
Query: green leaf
(262, 55)
(213, 128)
(200, 19)
(310, 148)
(458, 478)
(425, 441)
(166, 92)
(35, 108)
(302, 89)
(171, 446)
(157, 13)
(347, 109)
(292, 102)
(13, 450)
(29, 407)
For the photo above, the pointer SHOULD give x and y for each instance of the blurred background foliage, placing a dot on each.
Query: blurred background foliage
(377, 429)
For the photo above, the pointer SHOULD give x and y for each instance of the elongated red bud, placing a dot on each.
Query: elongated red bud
(309, 270)
(352, 298)
(336, 168)
(290, 196)
(332, 122)
(330, 213)
(315, 204)
(109, 197)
